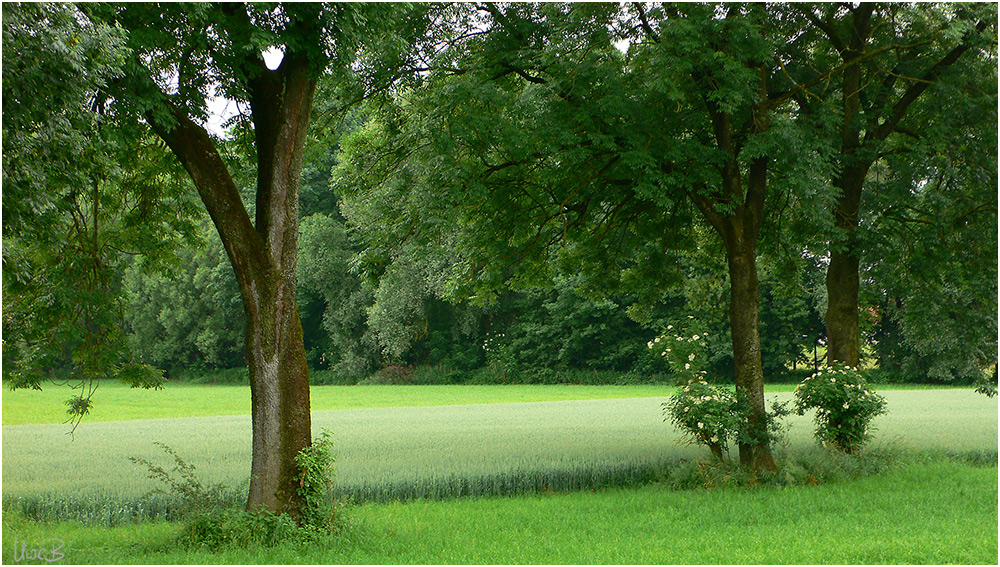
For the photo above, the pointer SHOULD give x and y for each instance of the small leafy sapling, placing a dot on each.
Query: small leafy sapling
(315, 482)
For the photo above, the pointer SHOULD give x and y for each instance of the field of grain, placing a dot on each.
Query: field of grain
(386, 453)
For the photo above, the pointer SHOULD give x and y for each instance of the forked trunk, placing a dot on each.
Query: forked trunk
(739, 231)
(264, 258)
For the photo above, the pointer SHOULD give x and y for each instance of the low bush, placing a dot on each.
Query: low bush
(315, 479)
(707, 415)
(210, 520)
(195, 375)
(183, 484)
(330, 378)
(844, 405)
(233, 527)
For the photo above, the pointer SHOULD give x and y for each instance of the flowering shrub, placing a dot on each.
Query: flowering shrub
(501, 358)
(844, 406)
(708, 415)
(685, 354)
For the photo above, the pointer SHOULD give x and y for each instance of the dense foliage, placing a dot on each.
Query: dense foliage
(497, 192)
(391, 277)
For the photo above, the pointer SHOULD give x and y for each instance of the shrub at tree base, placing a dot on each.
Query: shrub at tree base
(844, 406)
(709, 415)
(315, 480)
(705, 413)
(211, 522)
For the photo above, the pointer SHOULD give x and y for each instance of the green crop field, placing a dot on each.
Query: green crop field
(385, 452)
(117, 402)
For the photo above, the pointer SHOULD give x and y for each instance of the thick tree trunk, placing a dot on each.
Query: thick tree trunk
(842, 285)
(744, 315)
(264, 259)
(279, 386)
(843, 274)
(861, 132)
(279, 375)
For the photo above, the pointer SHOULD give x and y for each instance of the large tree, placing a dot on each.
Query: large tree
(536, 145)
(174, 59)
(873, 62)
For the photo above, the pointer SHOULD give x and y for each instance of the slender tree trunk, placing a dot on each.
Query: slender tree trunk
(739, 230)
(842, 278)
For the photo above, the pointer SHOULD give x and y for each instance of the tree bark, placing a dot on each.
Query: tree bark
(279, 374)
(264, 259)
(739, 231)
(843, 273)
(842, 327)
(842, 277)
(882, 116)
(744, 315)
(279, 389)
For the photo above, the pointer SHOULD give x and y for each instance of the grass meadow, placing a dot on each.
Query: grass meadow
(118, 402)
(558, 462)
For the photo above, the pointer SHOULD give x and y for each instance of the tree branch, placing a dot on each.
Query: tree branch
(926, 80)
(645, 23)
(197, 153)
(824, 27)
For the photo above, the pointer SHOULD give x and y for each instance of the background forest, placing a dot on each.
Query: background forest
(379, 307)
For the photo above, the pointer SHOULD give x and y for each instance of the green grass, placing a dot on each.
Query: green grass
(115, 401)
(927, 509)
(930, 512)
